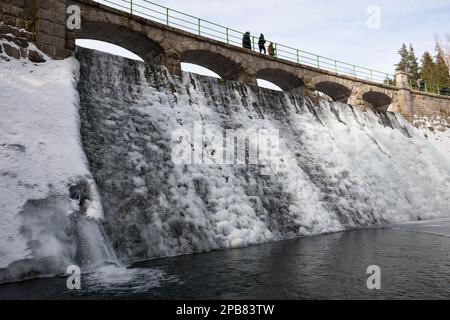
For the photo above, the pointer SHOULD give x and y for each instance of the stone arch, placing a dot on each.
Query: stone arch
(337, 91)
(377, 99)
(224, 66)
(287, 81)
(336, 88)
(147, 49)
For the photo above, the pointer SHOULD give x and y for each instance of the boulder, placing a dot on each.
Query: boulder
(11, 51)
(35, 56)
(21, 42)
(6, 29)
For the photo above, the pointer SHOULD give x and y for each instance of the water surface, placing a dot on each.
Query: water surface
(414, 260)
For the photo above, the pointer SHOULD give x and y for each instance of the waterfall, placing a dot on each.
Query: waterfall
(337, 167)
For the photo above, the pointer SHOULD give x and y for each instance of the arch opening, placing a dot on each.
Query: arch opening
(335, 91)
(268, 85)
(195, 68)
(378, 100)
(214, 62)
(140, 45)
(282, 80)
(108, 48)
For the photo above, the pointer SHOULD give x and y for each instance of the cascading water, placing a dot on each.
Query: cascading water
(338, 168)
(49, 204)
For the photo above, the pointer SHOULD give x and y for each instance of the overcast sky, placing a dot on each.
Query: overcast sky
(335, 29)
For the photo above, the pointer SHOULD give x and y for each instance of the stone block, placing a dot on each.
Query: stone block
(19, 3)
(51, 29)
(35, 56)
(4, 29)
(11, 51)
(58, 7)
(46, 15)
(60, 53)
(48, 49)
(21, 42)
(70, 45)
(24, 53)
(51, 40)
(6, 37)
(12, 10)
(9, 20)
(43, 4)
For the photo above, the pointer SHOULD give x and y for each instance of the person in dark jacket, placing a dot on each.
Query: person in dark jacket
(262, 44)
(246, 41)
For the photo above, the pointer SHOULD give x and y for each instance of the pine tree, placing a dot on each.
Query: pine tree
(403, 65)
(427, 70)
(441, 73)
(413, 64)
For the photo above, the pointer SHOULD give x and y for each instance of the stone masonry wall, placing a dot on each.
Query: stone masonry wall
(45, 20)
(19, 13)
(431, 108)
(52, 35)
(16, 43)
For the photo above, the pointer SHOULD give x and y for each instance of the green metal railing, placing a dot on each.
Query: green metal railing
(186, 22)
(428, 87)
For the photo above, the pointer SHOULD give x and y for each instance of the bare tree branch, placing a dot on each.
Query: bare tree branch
(443, 50)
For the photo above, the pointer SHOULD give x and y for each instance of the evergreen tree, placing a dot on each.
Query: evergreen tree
(441, 73)
(427, 70)
(403, 65)
(413, 64)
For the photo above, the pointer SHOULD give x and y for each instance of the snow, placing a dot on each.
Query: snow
(339, 167)
(437, 132)
(40, 157)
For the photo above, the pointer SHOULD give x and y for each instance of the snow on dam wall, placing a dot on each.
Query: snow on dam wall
(338, 167)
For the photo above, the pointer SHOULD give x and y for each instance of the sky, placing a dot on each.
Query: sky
(361, 32)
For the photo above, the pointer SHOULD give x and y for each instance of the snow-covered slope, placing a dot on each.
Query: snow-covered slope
(46, 190)
(436, 131)
(339, 168)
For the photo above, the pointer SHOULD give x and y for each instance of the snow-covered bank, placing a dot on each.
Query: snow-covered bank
(46, 190)
(437, 132)
(339, 168)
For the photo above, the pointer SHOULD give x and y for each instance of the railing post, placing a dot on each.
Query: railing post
(371, 75)
(354, 71)
(167, 16)
(253, 43)
(335, 66)
(199, 27)
(298, 56)
(318, 62)
(131, 6)
(276, 50)
(228, 37)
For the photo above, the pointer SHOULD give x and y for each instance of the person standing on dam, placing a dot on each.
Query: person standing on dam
(246, 41)
(271, 50)
(262, 44)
